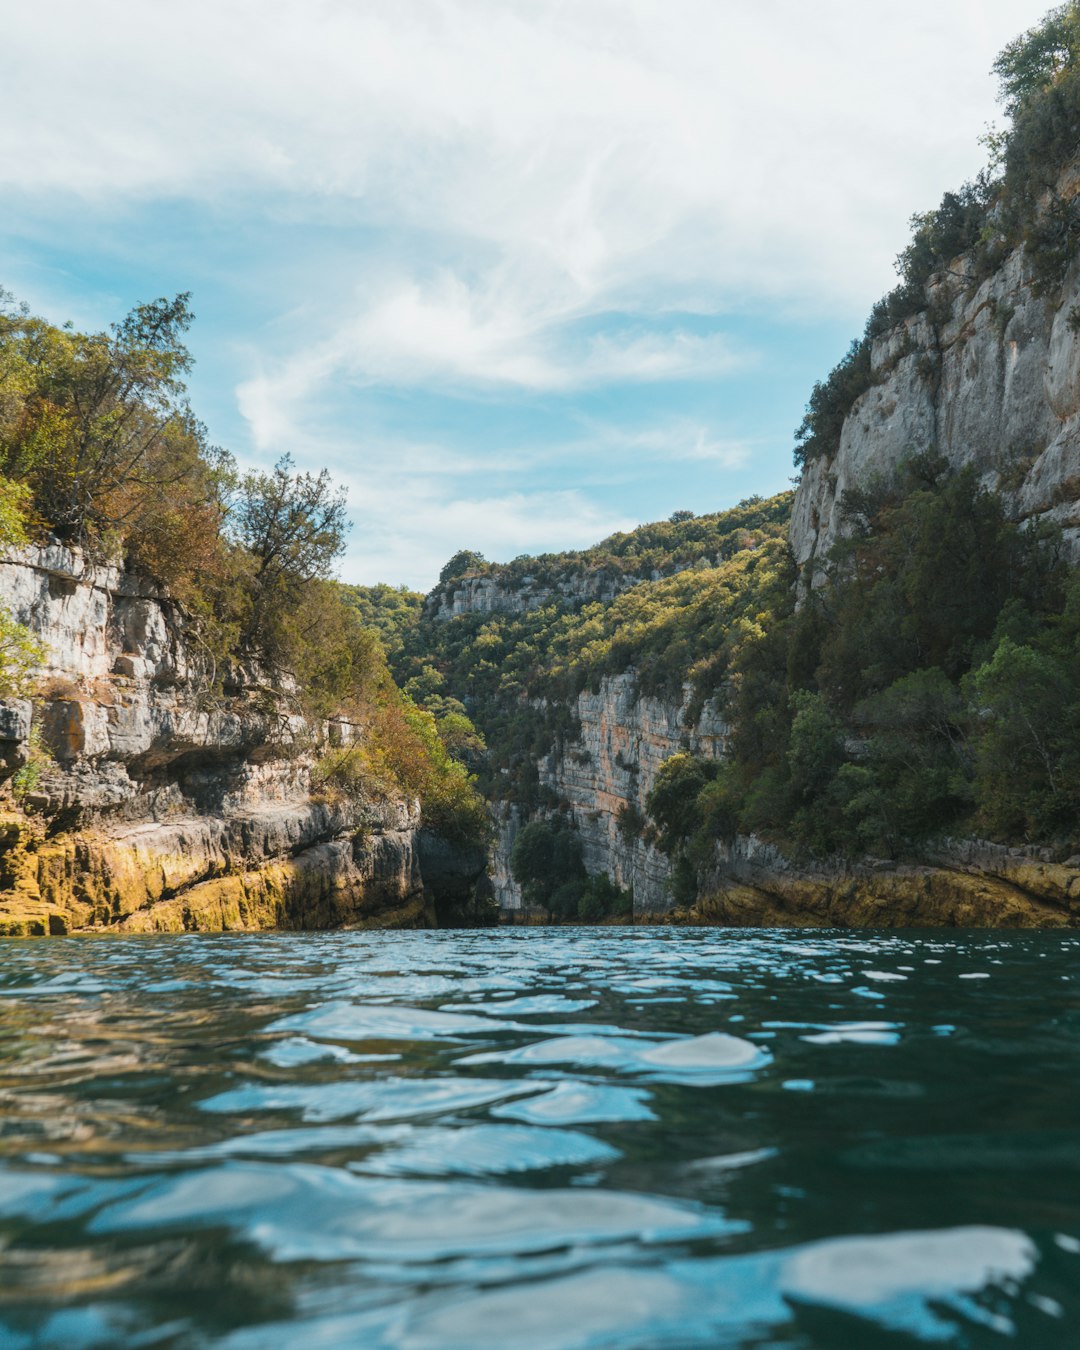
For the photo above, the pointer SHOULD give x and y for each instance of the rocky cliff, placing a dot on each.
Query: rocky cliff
(602, 778)
(612, 766)
(500, 592)
(147, 793)
(987, 375)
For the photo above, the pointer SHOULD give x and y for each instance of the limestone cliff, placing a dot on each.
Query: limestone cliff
(625, 736)
(987, 375)
(501, 592)
(167, 798)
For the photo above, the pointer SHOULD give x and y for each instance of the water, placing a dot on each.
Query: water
(541, 1139)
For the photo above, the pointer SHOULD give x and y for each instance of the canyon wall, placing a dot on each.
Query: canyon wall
(149, 791)
(610, 768)
(500, 592)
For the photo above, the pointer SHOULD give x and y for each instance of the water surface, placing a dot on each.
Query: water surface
(541, 1139)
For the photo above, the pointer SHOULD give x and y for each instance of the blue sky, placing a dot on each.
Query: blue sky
(520, 272)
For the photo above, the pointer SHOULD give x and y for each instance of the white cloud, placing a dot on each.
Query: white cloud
(451, 336)
(712, 144)
(530, 199)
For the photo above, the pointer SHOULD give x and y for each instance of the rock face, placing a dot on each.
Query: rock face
(497, 593)
(171, 803)
(989, 376)
(606, 773)
(960, 884)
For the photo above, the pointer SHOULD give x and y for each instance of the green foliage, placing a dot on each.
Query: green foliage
(25, 779)
(631, 823)
(390, 611)
(292, 526)
(99, 446)
(401, 753)
(673, 803)
(546, 863)
(20, 651)
(1027, 778)
(517, 673)
(98, 428)
(1038, 59)
(14, 504)
(830, 402)
(931, 685)
(20, 654)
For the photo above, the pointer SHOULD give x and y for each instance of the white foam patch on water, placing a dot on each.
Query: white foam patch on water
(912, 1284)
(296, 1050)
(305, 1212)
(732, 1162)
(716, 1050)
(897, 1276)
(535, 1003)
(713, 1058)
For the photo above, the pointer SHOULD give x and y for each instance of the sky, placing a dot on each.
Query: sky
(520, 273)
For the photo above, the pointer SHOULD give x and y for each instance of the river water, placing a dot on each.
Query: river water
(541, 1139)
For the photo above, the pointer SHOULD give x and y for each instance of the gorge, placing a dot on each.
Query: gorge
(857, 704)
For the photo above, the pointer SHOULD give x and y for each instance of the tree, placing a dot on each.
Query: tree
(293, 524)
(99, 414)
(1032, 62)
(546, 862)
(1027, 706)
(463, 562)
(20, 651)
(673, 802)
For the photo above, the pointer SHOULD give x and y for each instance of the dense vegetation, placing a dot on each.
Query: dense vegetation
(514, 674)
(930, 686)
(99, 449)
(546, 862)
(1021, 199)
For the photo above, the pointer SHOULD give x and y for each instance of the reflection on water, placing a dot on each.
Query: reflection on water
(541, 1139)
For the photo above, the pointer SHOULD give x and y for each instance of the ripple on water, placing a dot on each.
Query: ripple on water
(439, 1140)
(382, 1022)
(579, 1103)
(373, 1099)
(303, 1211)
(921, 1284)
(703, 1060)
(486, 1150)
(535, 1003)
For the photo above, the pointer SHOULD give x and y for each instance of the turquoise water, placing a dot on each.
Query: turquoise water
(541, 1139)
